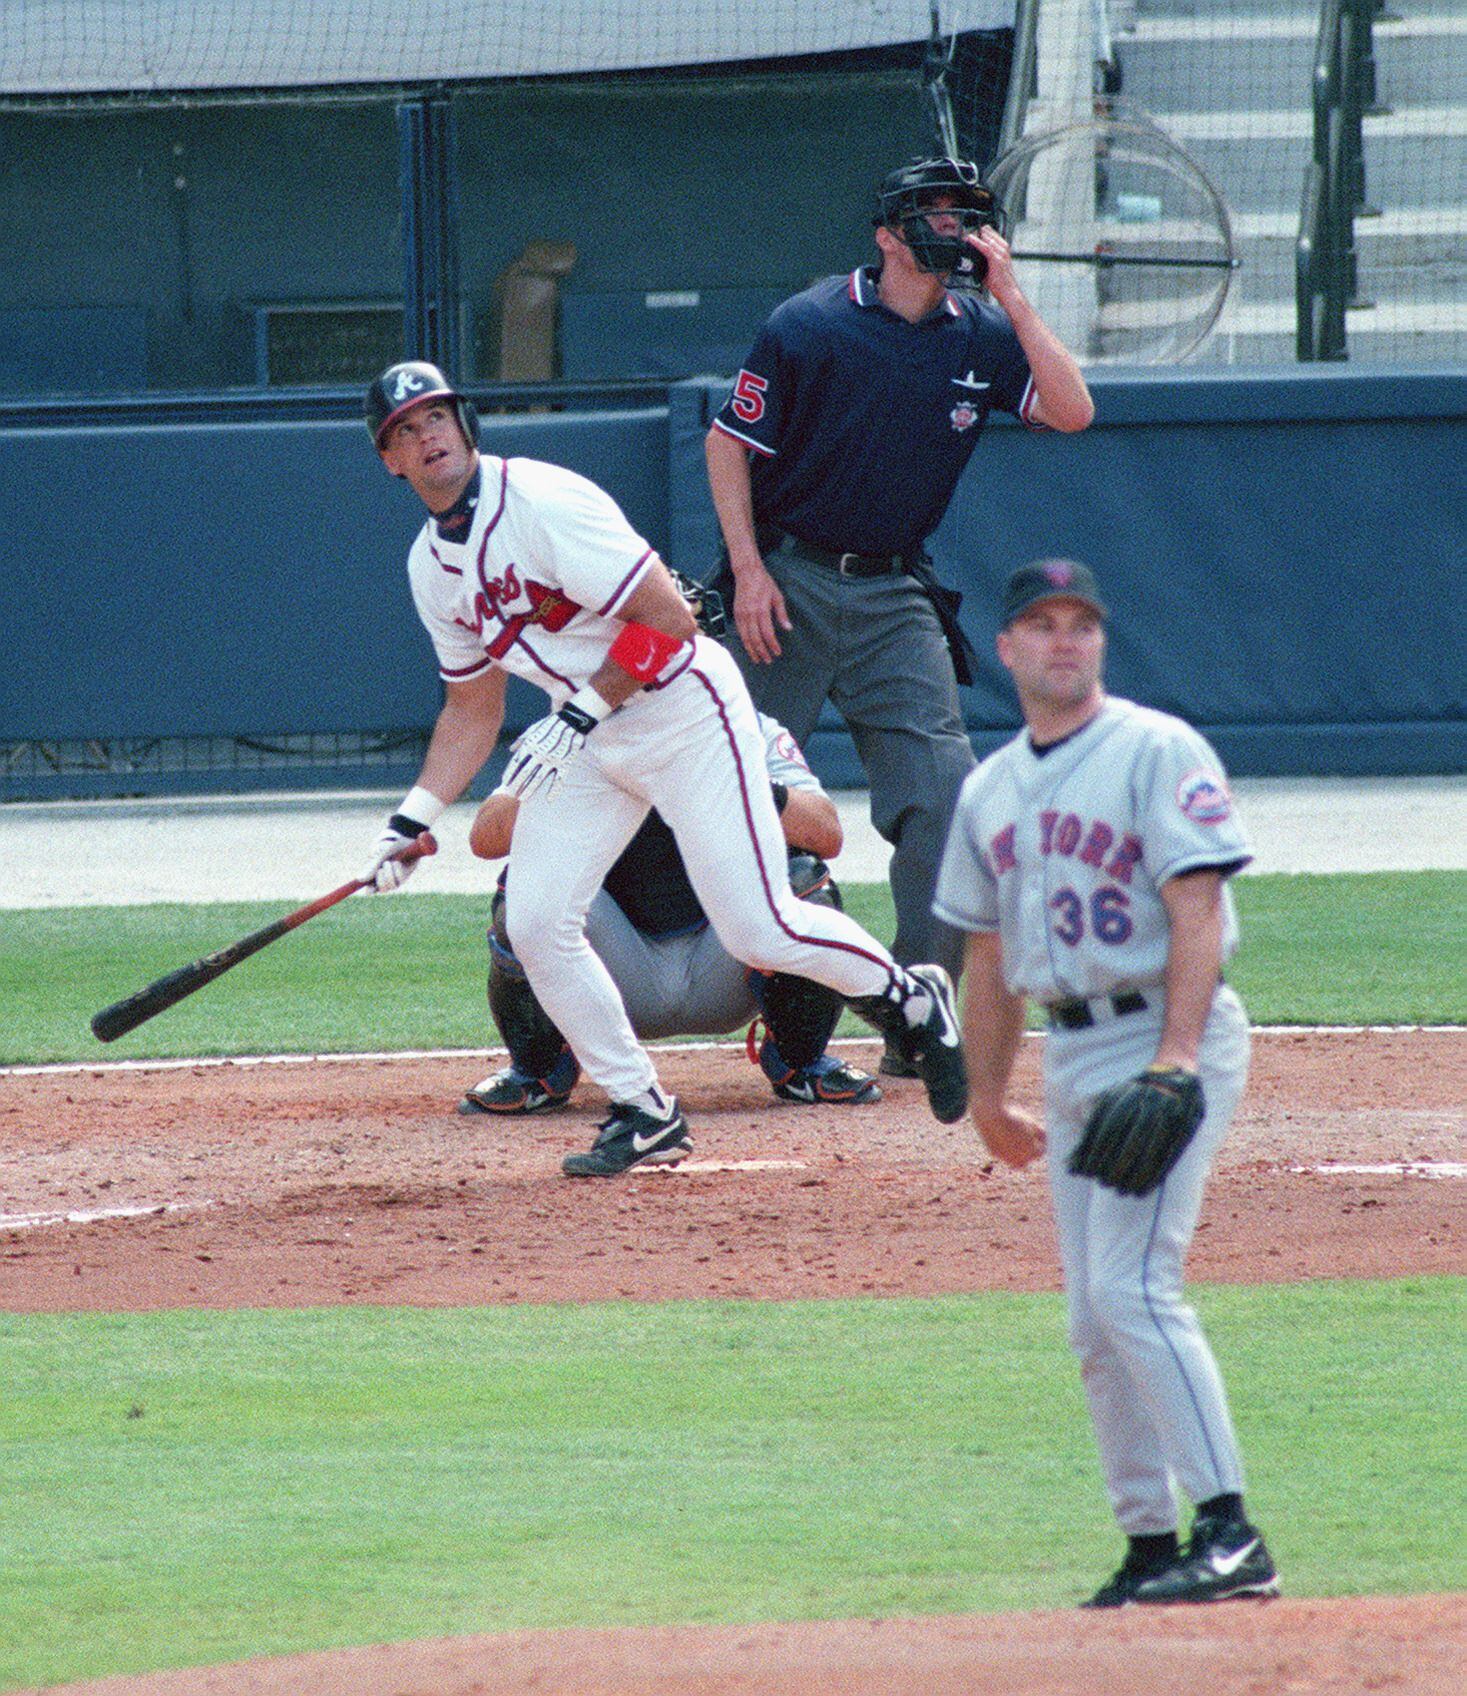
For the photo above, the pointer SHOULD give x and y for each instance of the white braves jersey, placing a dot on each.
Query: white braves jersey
(1064, 853)
(546, 561)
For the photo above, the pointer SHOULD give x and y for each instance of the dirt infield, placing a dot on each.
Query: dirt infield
(286, 1185)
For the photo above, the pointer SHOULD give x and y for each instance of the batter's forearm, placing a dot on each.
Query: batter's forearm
(461, 742)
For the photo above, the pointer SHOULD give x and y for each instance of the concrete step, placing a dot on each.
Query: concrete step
(1408, 332)
(1145, 11)
(1256, 158)
(1192, 64)
(1420, 250)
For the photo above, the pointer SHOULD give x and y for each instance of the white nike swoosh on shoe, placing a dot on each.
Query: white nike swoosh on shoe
(643, 1144)
(800, 1092)
(950, 1037)
(1226, 1565)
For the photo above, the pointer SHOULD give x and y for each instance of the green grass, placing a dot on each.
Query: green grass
(183, 1487)
(409, 972)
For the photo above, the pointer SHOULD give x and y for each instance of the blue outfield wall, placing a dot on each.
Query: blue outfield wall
(1283, 553)
(226, 579)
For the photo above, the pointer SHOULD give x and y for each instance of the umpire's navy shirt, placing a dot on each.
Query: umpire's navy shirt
(861, 422)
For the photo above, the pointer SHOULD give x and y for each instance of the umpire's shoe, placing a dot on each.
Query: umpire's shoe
(936, 1046)
(1223, 1558)
(514, 1091)
(826, 1079)
(632, 1136)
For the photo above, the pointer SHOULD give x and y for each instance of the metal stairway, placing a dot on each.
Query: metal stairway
(1230, 81)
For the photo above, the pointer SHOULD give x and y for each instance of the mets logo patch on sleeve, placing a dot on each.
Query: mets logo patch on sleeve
(1203, 797)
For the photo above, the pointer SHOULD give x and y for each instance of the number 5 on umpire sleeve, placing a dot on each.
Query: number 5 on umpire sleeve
(748, 397)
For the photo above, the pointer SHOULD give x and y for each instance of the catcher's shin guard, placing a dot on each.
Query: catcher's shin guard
(534, 1043)
(801, 1016)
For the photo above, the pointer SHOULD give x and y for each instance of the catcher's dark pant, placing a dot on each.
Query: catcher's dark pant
(873, 647)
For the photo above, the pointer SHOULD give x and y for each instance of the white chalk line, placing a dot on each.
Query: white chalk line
(1388, 1169)
(80, 1068)
(93, 1215)
(719, 1166)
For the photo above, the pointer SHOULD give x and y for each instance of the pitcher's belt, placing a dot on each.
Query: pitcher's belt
(1077, 1014)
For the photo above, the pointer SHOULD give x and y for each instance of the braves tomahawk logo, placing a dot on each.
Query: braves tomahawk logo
(551, 609)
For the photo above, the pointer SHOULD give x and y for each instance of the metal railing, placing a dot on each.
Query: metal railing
(1021, 76)
(1326, 267)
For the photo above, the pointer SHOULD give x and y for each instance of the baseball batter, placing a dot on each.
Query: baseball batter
(1088, 861)
(674, 976)
(530, 569)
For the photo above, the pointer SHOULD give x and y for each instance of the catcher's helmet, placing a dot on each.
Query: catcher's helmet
(905, 197)
(705, 604)
(405, 384)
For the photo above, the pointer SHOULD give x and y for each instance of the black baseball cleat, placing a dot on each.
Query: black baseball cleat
(1223, 1558)
(895, 1064)
(1122, 1585)
(826, 1080)
(936, 1045)
(515, 1092)
(629, 1137)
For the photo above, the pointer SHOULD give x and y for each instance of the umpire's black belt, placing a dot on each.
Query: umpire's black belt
(848, 565)
(1078, 1014)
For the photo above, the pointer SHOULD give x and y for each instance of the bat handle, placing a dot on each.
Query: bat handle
(418, 849)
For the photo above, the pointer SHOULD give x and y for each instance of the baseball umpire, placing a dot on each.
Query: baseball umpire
(674, 976)
(833, 460)
(526, 568)
(1088, 862)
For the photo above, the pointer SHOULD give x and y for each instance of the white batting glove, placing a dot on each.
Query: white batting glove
(383, 872)
(544, 750)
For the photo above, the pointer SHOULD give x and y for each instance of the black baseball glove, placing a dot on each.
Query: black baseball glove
(1138, 1130)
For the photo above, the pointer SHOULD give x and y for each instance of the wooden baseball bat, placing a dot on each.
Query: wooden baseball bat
(134, 1010)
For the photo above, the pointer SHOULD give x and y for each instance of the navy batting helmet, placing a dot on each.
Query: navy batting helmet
(906, 196)
(405, 384)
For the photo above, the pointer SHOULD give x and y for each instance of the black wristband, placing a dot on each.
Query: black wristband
(578, 719)
(781, 796)
(404, 826)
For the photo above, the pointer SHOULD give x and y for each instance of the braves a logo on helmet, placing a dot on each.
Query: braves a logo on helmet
(408, 383)
(1203, 797)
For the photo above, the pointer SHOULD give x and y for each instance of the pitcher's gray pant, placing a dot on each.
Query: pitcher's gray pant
(1156, 1397)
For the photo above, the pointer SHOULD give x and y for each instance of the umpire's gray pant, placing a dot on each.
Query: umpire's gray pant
(873, 647)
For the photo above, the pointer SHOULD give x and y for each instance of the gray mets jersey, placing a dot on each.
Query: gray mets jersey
(1064, 854)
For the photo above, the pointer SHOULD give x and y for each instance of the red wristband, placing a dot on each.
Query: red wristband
(642, 652)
